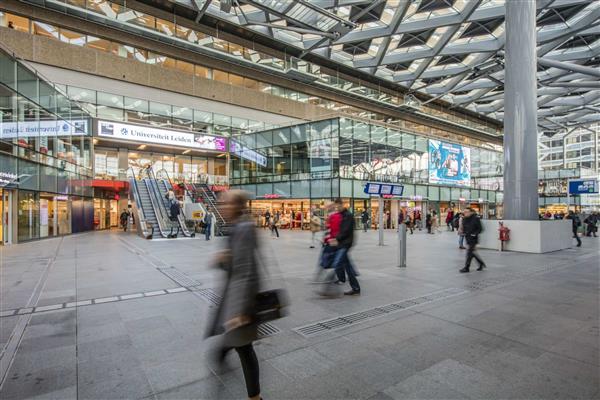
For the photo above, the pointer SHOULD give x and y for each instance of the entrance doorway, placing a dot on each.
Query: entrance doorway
(6, 213)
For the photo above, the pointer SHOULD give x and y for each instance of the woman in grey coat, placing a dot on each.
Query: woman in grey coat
(235, 317)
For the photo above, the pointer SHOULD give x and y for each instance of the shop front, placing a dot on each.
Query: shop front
(300, 167)
(125, 149)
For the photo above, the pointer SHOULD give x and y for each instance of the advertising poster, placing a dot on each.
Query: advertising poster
(449, 164)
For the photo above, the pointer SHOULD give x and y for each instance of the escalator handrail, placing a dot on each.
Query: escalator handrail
(209, 200)
(137, 198)
(164, 223)
(181, 216)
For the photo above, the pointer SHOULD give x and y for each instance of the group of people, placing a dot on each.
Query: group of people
(272, 222)
(591, 224)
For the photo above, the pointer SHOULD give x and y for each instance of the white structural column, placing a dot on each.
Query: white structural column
(520, 115)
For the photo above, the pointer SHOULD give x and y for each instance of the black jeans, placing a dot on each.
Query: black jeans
(576, 236)
(250, 369)
(274, 230)
(471, 254)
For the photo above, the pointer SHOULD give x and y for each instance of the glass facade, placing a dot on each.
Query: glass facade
(45, 154)
(334, 157)
(130, 20)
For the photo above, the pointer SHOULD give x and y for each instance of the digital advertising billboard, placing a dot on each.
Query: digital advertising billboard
(449, 163)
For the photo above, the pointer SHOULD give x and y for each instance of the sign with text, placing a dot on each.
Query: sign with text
(583, 186)
(384, 189)
(146, 134)
(34, 129)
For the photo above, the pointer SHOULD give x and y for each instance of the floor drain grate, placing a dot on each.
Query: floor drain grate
(345, 321)
(179, 277)
(267, 329)
(208, 294)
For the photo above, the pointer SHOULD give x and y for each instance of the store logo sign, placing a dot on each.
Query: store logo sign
(6, 178)
(148, 134)
(34, 129)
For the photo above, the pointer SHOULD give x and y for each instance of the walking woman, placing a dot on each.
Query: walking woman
(236, 314)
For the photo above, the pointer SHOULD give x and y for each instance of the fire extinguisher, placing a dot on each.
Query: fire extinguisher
(504, 235)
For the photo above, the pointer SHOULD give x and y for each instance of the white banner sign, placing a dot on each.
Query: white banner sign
(25, 129)
(148, 134)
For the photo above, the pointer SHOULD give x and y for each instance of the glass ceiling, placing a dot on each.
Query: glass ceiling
(448, 49)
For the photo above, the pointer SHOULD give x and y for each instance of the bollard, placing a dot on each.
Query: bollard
(402, 238)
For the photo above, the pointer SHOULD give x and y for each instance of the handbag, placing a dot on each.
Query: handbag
(327, 256)
(270, 305)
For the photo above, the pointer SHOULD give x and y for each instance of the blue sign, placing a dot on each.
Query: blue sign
(384, 189)
(583, 186)
(449, 163)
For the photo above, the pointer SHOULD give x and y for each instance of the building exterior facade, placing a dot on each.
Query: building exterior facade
(577, 148)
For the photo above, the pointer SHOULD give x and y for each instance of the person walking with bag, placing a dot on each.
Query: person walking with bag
(471, 229)
(236, 317)
(343, 242)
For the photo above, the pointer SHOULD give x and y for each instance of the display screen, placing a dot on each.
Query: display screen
(397, 190)
(373, 189)
(386, 189)
(449, 164)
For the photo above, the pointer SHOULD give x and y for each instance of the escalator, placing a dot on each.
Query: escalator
(150, 209)
(210, 201)
(164, 185)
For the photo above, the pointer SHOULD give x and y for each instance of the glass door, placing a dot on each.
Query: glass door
(6, 212)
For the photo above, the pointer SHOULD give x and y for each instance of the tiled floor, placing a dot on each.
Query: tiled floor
(103, 316)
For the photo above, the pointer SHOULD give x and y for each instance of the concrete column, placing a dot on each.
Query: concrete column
(520, 113)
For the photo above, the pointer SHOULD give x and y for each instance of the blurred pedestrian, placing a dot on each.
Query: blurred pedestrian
(343, 241)
(208, 222)
(461, 232)
(315, 227)
(471, 229)
(575, 224)
(364, 218)
(236, 317)
(450, 219)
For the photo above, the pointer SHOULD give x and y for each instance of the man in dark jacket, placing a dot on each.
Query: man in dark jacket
(471, 229)
(575, 222)
(343, 242)
(174, 211)
(364, 218)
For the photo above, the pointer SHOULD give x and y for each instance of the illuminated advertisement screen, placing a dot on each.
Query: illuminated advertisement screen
(449, 163)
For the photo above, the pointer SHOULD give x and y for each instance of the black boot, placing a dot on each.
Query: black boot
(481, 267)
(464, 270)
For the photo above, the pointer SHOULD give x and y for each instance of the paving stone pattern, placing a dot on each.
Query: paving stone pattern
(119, 317)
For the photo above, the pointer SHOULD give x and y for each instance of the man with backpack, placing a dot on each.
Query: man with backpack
(207, 225)
(174, 211)
(575, 224)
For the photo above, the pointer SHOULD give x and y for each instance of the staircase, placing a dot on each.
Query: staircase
(210, 201)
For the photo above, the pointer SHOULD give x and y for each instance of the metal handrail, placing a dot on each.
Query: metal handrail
(204, 188)
(138, 205)
(164, 222)
(181, 216)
